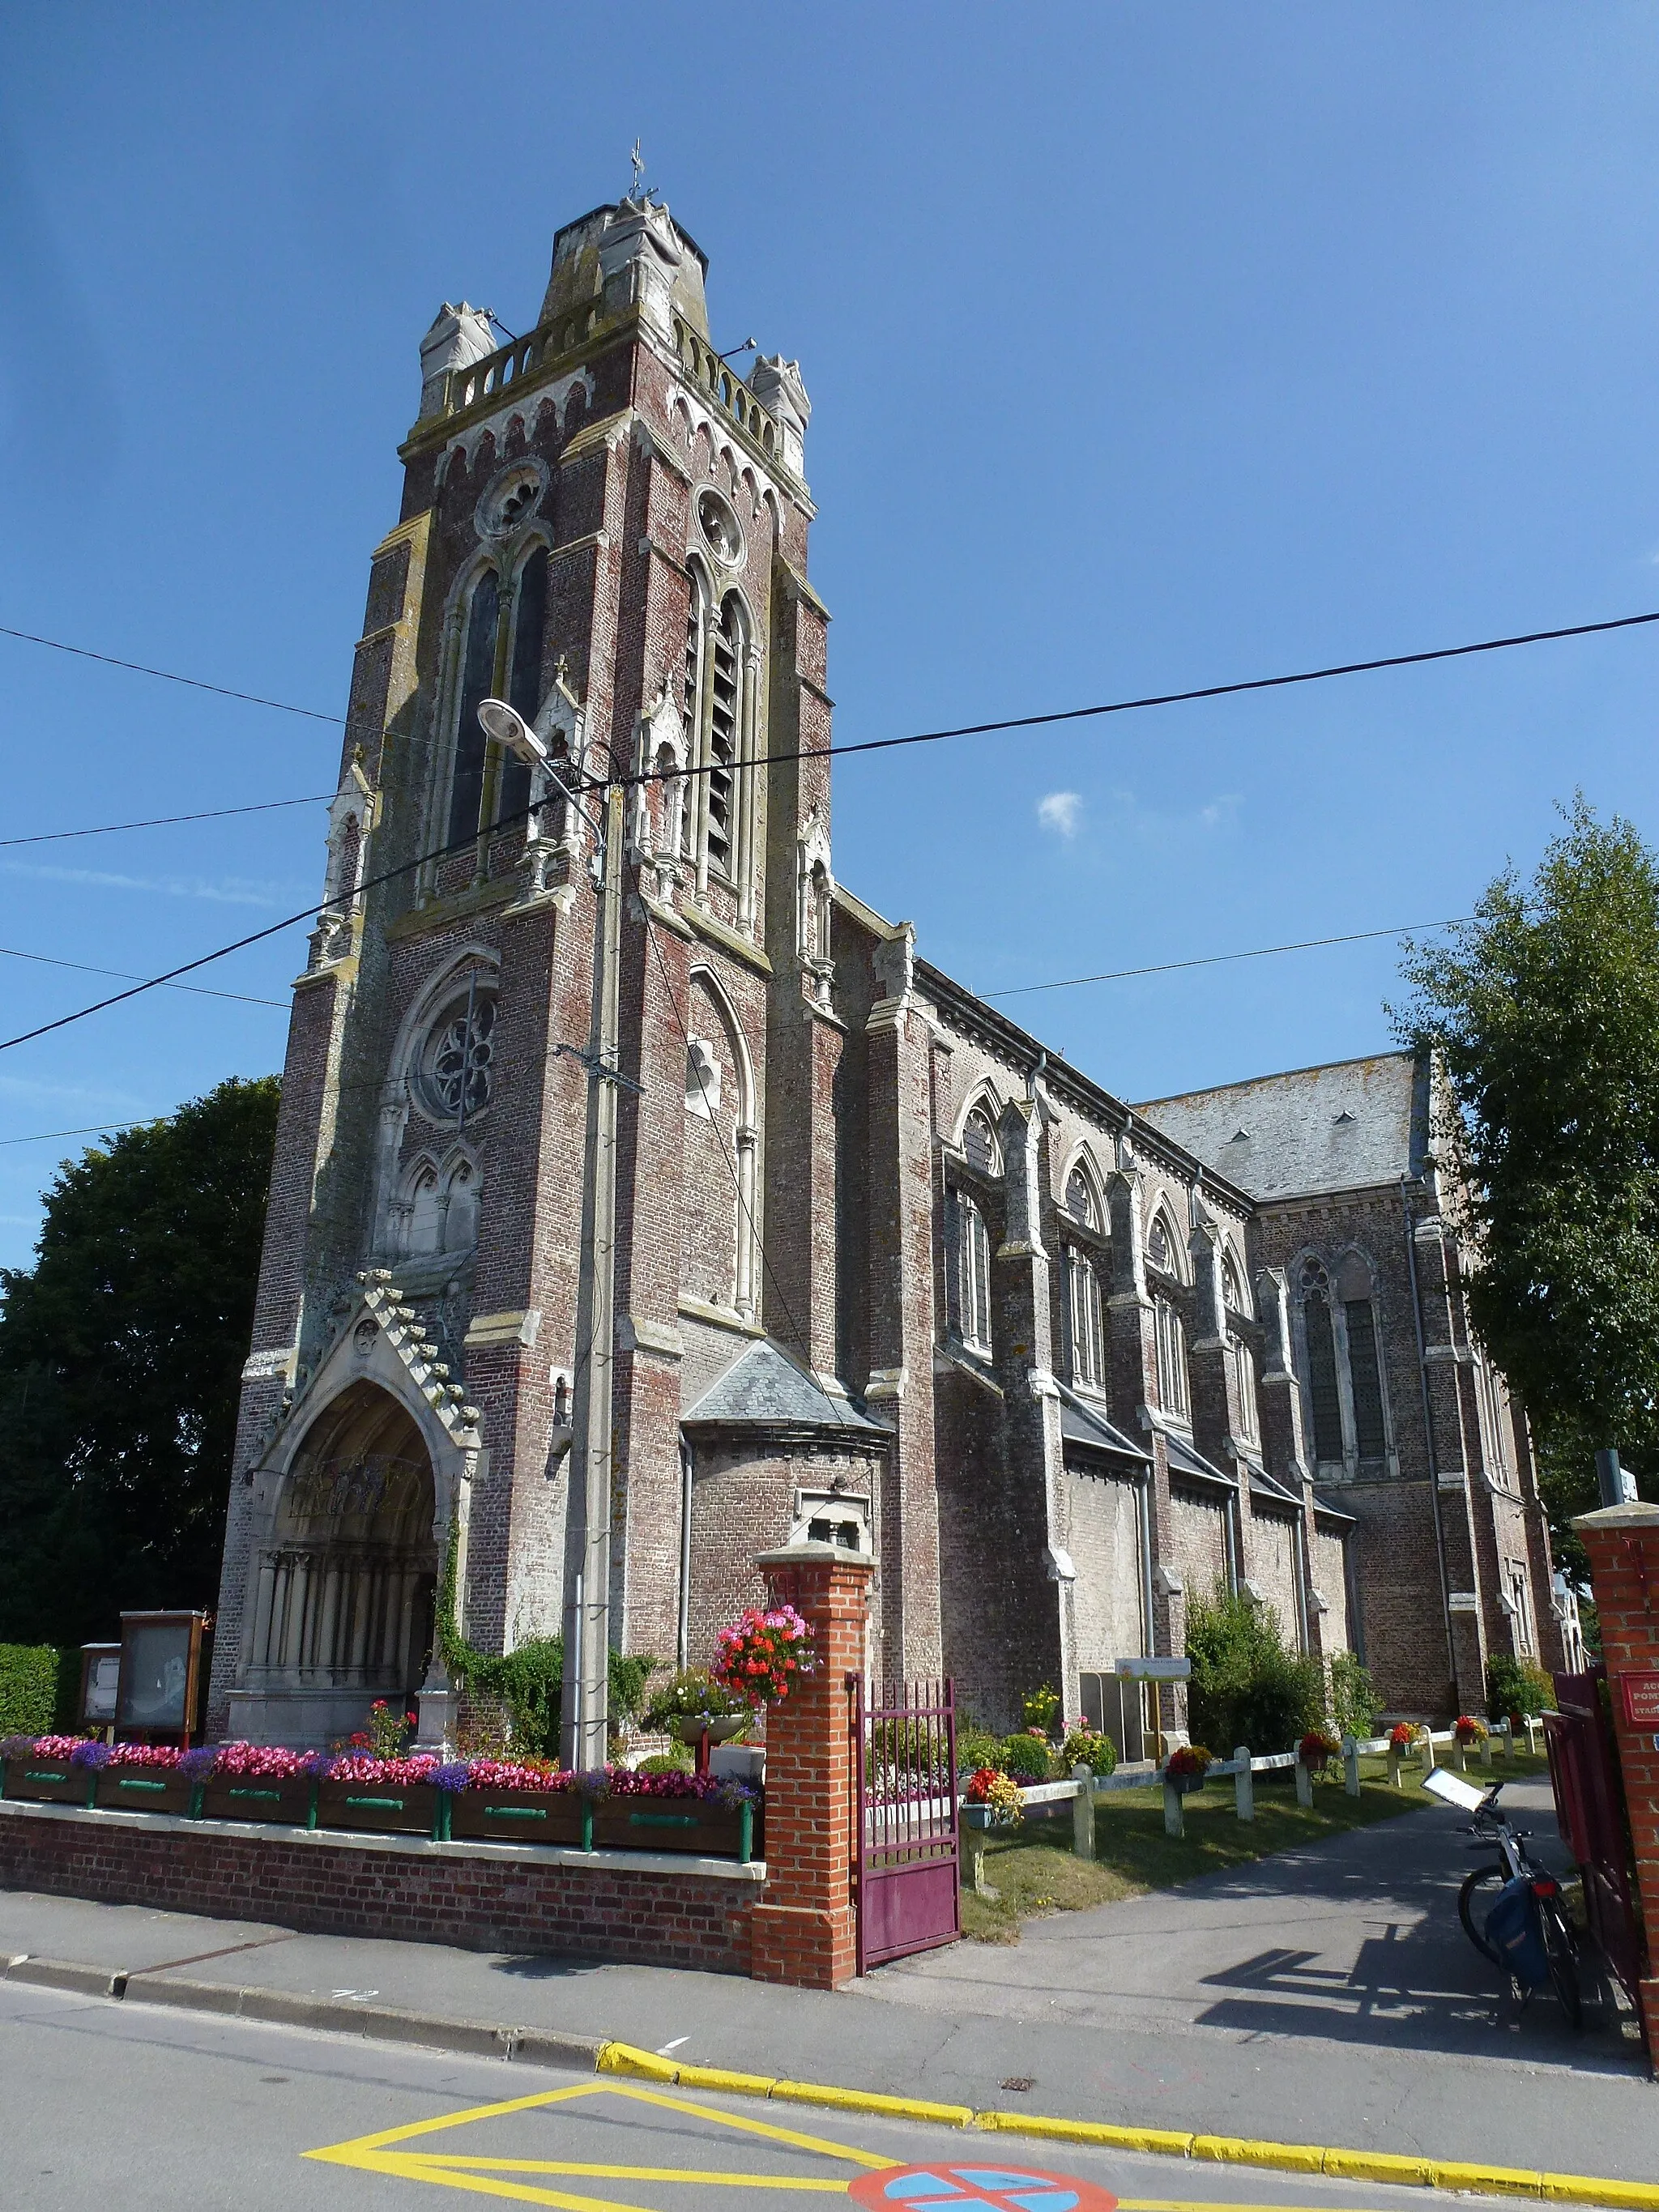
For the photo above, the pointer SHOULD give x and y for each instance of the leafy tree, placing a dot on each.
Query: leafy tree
(1247, 1686)
(120, 1360)
(1545, 1012)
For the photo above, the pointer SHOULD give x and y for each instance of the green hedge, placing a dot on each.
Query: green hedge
(39, 1687)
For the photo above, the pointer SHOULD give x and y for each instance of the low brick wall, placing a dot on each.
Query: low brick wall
(647, 1907)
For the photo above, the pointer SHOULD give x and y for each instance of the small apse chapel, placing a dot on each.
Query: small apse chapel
(885, 1272)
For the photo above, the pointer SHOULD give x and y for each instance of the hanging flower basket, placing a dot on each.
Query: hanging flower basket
(1316, 1750)
(1187, 1768)
(763, 1657)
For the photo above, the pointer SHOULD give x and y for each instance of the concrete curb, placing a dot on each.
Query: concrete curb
(536, 2046)
(1233, 2150)
(475, 2038)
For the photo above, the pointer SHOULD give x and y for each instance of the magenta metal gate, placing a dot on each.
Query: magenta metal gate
(1589, 1809)
(907, 1880)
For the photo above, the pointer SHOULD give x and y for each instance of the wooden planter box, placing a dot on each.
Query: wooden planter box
(377, 1806)
(49, 1782)
(144, 1789)
(521, 1816)
(676, 1823)
(288, 1801)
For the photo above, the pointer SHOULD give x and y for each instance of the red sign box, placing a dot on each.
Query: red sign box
(1641, 1700)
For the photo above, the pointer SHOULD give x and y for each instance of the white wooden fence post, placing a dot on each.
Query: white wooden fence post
(1082, 1811)
(1174, 1825)
(1350, 1765)
(1428, 1749)
(1485, 1751)
(1303, 1779)
(1245, 1785)
(973, 1854)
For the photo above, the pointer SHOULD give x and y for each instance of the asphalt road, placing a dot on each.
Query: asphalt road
(148, 2109)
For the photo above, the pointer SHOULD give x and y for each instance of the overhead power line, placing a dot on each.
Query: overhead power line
(822, 753)
(1214, 959)
(163, 821)
(935, 736)
(168, 675)
(91, 1129)
(126, 974)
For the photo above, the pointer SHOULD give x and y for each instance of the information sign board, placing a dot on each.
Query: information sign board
(1640, 1694)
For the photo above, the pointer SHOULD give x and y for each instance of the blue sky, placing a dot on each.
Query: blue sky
(1148, 347)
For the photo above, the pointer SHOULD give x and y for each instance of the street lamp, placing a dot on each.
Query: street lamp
(584, 1714)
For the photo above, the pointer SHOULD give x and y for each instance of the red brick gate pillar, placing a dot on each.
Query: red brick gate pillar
(1623, 1544)
(803, 1932)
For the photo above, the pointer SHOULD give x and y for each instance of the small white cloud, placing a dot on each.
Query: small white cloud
(1062, 811)
(234, 891)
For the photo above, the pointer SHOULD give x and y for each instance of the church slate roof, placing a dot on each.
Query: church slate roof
(1080, 1424)
(1355, 1123)
(764, 1388)
(1187, 1465)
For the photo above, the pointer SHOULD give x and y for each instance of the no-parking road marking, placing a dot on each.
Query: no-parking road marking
(951, 2183)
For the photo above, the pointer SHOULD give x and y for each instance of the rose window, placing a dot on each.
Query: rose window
(458, 1060)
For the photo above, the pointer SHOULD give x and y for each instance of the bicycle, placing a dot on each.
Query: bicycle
(1546, 1910)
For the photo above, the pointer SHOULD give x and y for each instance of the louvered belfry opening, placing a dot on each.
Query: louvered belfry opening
(723, 741)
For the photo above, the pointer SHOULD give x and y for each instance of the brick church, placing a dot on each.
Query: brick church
(644, 1200)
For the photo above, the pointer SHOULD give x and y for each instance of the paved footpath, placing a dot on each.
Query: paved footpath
(1325, 1996)
(151, 2108)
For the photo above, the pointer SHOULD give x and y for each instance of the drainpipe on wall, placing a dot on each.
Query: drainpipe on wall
(683, 1634)
(1428, 1429)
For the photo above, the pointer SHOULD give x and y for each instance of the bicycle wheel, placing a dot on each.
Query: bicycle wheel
(1474, 1901)
(1561, 1949)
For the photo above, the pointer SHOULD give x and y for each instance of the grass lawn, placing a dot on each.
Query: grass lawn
(1033, 1869)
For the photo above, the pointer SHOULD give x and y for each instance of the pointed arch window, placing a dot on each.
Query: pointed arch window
(477, 682)
(972, 1275)
(523, 683)
(1088, 1335)
(1080, 1200)
(979, 1144)
(500, 657)
(1170, 1335)
(1345, 1368)
(1323, 1393)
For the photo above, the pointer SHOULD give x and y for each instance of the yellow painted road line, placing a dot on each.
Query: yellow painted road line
(821, 2144)
(577, 2169)
(344, 2154)
(415, 2168)
(1420, 2171)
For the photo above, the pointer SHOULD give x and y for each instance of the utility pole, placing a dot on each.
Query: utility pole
(583, 1716)
(585, 1711)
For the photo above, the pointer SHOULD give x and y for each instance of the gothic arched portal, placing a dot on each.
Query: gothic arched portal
(346, 1586)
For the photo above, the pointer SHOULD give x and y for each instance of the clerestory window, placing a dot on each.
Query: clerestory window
(1170, 1334)
(1088, 1335)
(972, 1275)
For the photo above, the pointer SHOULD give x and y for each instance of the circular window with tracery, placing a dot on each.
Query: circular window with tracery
(457, 1064)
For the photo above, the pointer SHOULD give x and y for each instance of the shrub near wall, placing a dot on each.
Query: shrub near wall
(39, 1686)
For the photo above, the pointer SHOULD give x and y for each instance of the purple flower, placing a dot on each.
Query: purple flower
(452, 1774)
(91, 1753)
(197, 1765)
